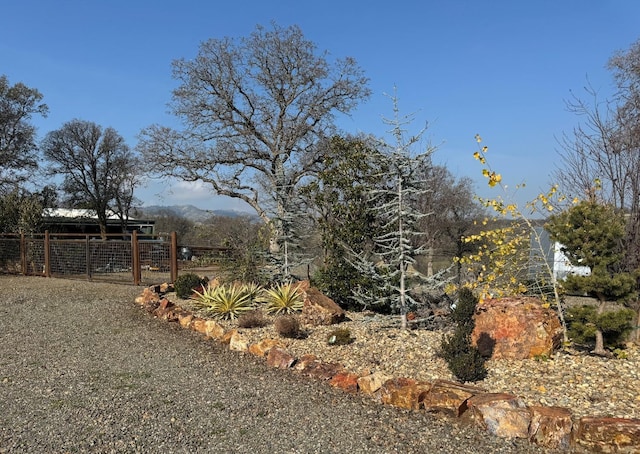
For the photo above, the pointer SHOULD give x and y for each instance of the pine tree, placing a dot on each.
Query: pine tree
(591, 234)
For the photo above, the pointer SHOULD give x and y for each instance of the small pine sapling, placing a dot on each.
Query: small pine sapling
(464, 359)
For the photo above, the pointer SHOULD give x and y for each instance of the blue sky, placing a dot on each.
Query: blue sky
(499, 68)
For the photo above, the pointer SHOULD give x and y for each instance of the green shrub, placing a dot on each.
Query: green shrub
(584, 321)
(185, 284)
(454, 344)
(464, 360)
(468, 366)
(465, 307)
(340, 336)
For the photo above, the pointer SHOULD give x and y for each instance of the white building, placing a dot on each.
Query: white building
(545, 251)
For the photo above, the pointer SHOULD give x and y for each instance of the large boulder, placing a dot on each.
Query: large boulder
(318, 308)
(516, 328)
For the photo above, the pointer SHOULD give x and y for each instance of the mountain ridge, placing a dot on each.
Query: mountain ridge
(190, 212)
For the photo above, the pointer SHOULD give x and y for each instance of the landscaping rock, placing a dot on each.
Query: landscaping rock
(369, 384)
(502, 415)
(237, 343)
(262, 348)
(550, 427)
(345, 381)
(404, 393)
(280, 358)
(516, 328)
(318, 308)
(147, 296)
(199, 325)
(608, 435)
(185, 320)
(226, 337)
(172, 314)
(304, 361)
(315, 368)
(213, 329)
(162, 309)
(449, 397)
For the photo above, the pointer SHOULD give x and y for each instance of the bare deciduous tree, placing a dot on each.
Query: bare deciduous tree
(96, 165)
(603, 153)
(253, 111)
(450, 201)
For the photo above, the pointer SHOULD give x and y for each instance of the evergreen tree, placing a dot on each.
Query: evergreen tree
(343, 208)
(395, 249)
(464, 359)
(591, 234)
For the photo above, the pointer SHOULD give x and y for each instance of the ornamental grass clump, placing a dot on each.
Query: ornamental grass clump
(464, 360)
(283, 299)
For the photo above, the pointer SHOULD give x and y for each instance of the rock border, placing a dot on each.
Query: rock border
(500, 414)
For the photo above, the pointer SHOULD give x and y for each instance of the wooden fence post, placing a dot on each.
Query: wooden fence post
(23, 254)
(135, 258)
(47, 254)
(87, 255)
(173, 256)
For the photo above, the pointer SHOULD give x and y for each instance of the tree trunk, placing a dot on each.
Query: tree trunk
(430, 261)
(599, 349)
(635, 334)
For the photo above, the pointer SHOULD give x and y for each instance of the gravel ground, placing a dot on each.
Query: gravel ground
(588, 385)
(83, 369)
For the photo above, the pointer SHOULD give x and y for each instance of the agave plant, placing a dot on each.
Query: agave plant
(252, 290)
(225, 301)
(207, 298)
(283, 299)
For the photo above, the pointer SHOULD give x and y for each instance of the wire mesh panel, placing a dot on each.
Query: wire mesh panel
(68, 258)
(10, 259)
(34, 255)
(110, 259)
(155, 261)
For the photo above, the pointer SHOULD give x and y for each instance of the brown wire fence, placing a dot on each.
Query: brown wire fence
(128, 258)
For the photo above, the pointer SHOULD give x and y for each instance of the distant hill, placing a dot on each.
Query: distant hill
(188, 212)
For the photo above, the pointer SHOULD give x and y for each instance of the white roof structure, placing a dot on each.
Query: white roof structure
(74, 213)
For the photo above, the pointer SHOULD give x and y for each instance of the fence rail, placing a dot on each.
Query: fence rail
(116, 258)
